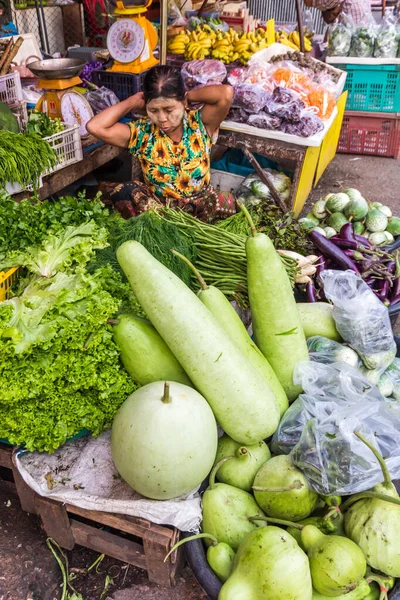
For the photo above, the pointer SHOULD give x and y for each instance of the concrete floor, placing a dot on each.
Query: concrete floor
(27, 569)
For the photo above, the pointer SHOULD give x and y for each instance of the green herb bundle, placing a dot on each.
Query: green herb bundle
(24, 158)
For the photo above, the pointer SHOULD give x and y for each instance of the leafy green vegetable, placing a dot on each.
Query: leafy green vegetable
(24, 157)
(158, 236)
(60, 369)
(29, 222)
(74, 247)
(41, 124)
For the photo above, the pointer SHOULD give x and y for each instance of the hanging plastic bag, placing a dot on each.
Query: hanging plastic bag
(361, 318)
(281, 182)
(363, 38)
(386, 43)
(338, 401)
(199, 73)
(339, 37)
(251, 98)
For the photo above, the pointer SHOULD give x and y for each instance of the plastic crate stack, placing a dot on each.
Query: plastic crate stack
(11, 94)
(371, 123)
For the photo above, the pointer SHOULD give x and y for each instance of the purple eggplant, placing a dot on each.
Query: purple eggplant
(333, 252)
(345, 244)
(395, 300)
(311, 292)
(347, 232)
(321, 264)
(363, 240)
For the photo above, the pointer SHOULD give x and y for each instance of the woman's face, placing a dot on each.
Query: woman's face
(166, 113)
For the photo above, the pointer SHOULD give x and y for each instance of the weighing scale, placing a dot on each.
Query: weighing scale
(132, 39)
(58, 77)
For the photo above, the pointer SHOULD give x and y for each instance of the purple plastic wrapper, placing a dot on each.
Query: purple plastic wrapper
(308, 125)
(265, 121)
(200, 73)
(251, 98)
(238, 115)
(285, 105)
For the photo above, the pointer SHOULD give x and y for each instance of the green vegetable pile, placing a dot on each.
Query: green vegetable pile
(41, 124)
(24, 157)
(59, 367)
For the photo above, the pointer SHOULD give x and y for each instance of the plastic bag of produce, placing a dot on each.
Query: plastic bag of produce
(238, 115)
(392, 373)
(326, 351)
(386, 43)
(339, 38)
(265, 121)
(337, 401)
(281, 182)
(251, 98)
(199, 73)
(363, 38)
(285, 104)
(101, 99)
(308, 125)
(361, 318)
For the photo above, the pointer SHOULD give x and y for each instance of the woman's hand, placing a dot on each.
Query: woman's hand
(138, 103)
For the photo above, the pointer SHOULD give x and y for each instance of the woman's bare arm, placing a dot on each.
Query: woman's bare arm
(105, 126)
(217, 100)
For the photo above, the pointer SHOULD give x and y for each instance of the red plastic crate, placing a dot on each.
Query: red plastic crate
(376, 134)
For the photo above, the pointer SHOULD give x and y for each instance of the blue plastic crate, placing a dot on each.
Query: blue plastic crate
(372, 88)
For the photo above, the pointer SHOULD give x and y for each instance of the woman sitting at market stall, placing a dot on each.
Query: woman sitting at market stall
(173, 145)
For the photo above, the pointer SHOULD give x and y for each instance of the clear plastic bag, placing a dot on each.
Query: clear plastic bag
(361, 318)
(339, 38)
(338, 401)
(238, 115)
(285, 104)
(393, 374)
(258, 189)
(265, 121)
(101, 99)
(308, 125)
(363, 38)
(326, 351)
(200, 73)
(251, 98)
(386, 43)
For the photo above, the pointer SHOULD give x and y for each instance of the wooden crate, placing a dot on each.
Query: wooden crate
(128, 539)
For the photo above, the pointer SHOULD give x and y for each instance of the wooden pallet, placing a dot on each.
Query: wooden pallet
(128, 539)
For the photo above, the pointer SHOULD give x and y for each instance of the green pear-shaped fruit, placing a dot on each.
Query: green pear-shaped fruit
(227, 511)
(361, 592)
(337, 564)
(220, 557)
(269, 565)
(282, 491)
(242, 468)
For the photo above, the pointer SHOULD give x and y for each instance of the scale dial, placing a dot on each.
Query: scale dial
(125, 40)
(76, 110)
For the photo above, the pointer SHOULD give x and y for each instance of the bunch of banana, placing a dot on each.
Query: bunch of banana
(292, 40)
(249, 43)
(177, 44)
(199, 46)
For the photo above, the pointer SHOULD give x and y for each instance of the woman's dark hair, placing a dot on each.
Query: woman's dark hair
(163, 82)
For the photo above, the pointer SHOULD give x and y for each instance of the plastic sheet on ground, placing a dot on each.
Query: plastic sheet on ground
(82, 473)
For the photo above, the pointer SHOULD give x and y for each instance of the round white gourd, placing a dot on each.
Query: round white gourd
(162, 449)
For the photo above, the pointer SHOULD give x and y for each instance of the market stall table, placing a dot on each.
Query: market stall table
(310, 161)
(95, 155)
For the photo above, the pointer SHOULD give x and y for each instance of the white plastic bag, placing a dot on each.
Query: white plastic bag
(361, 318)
